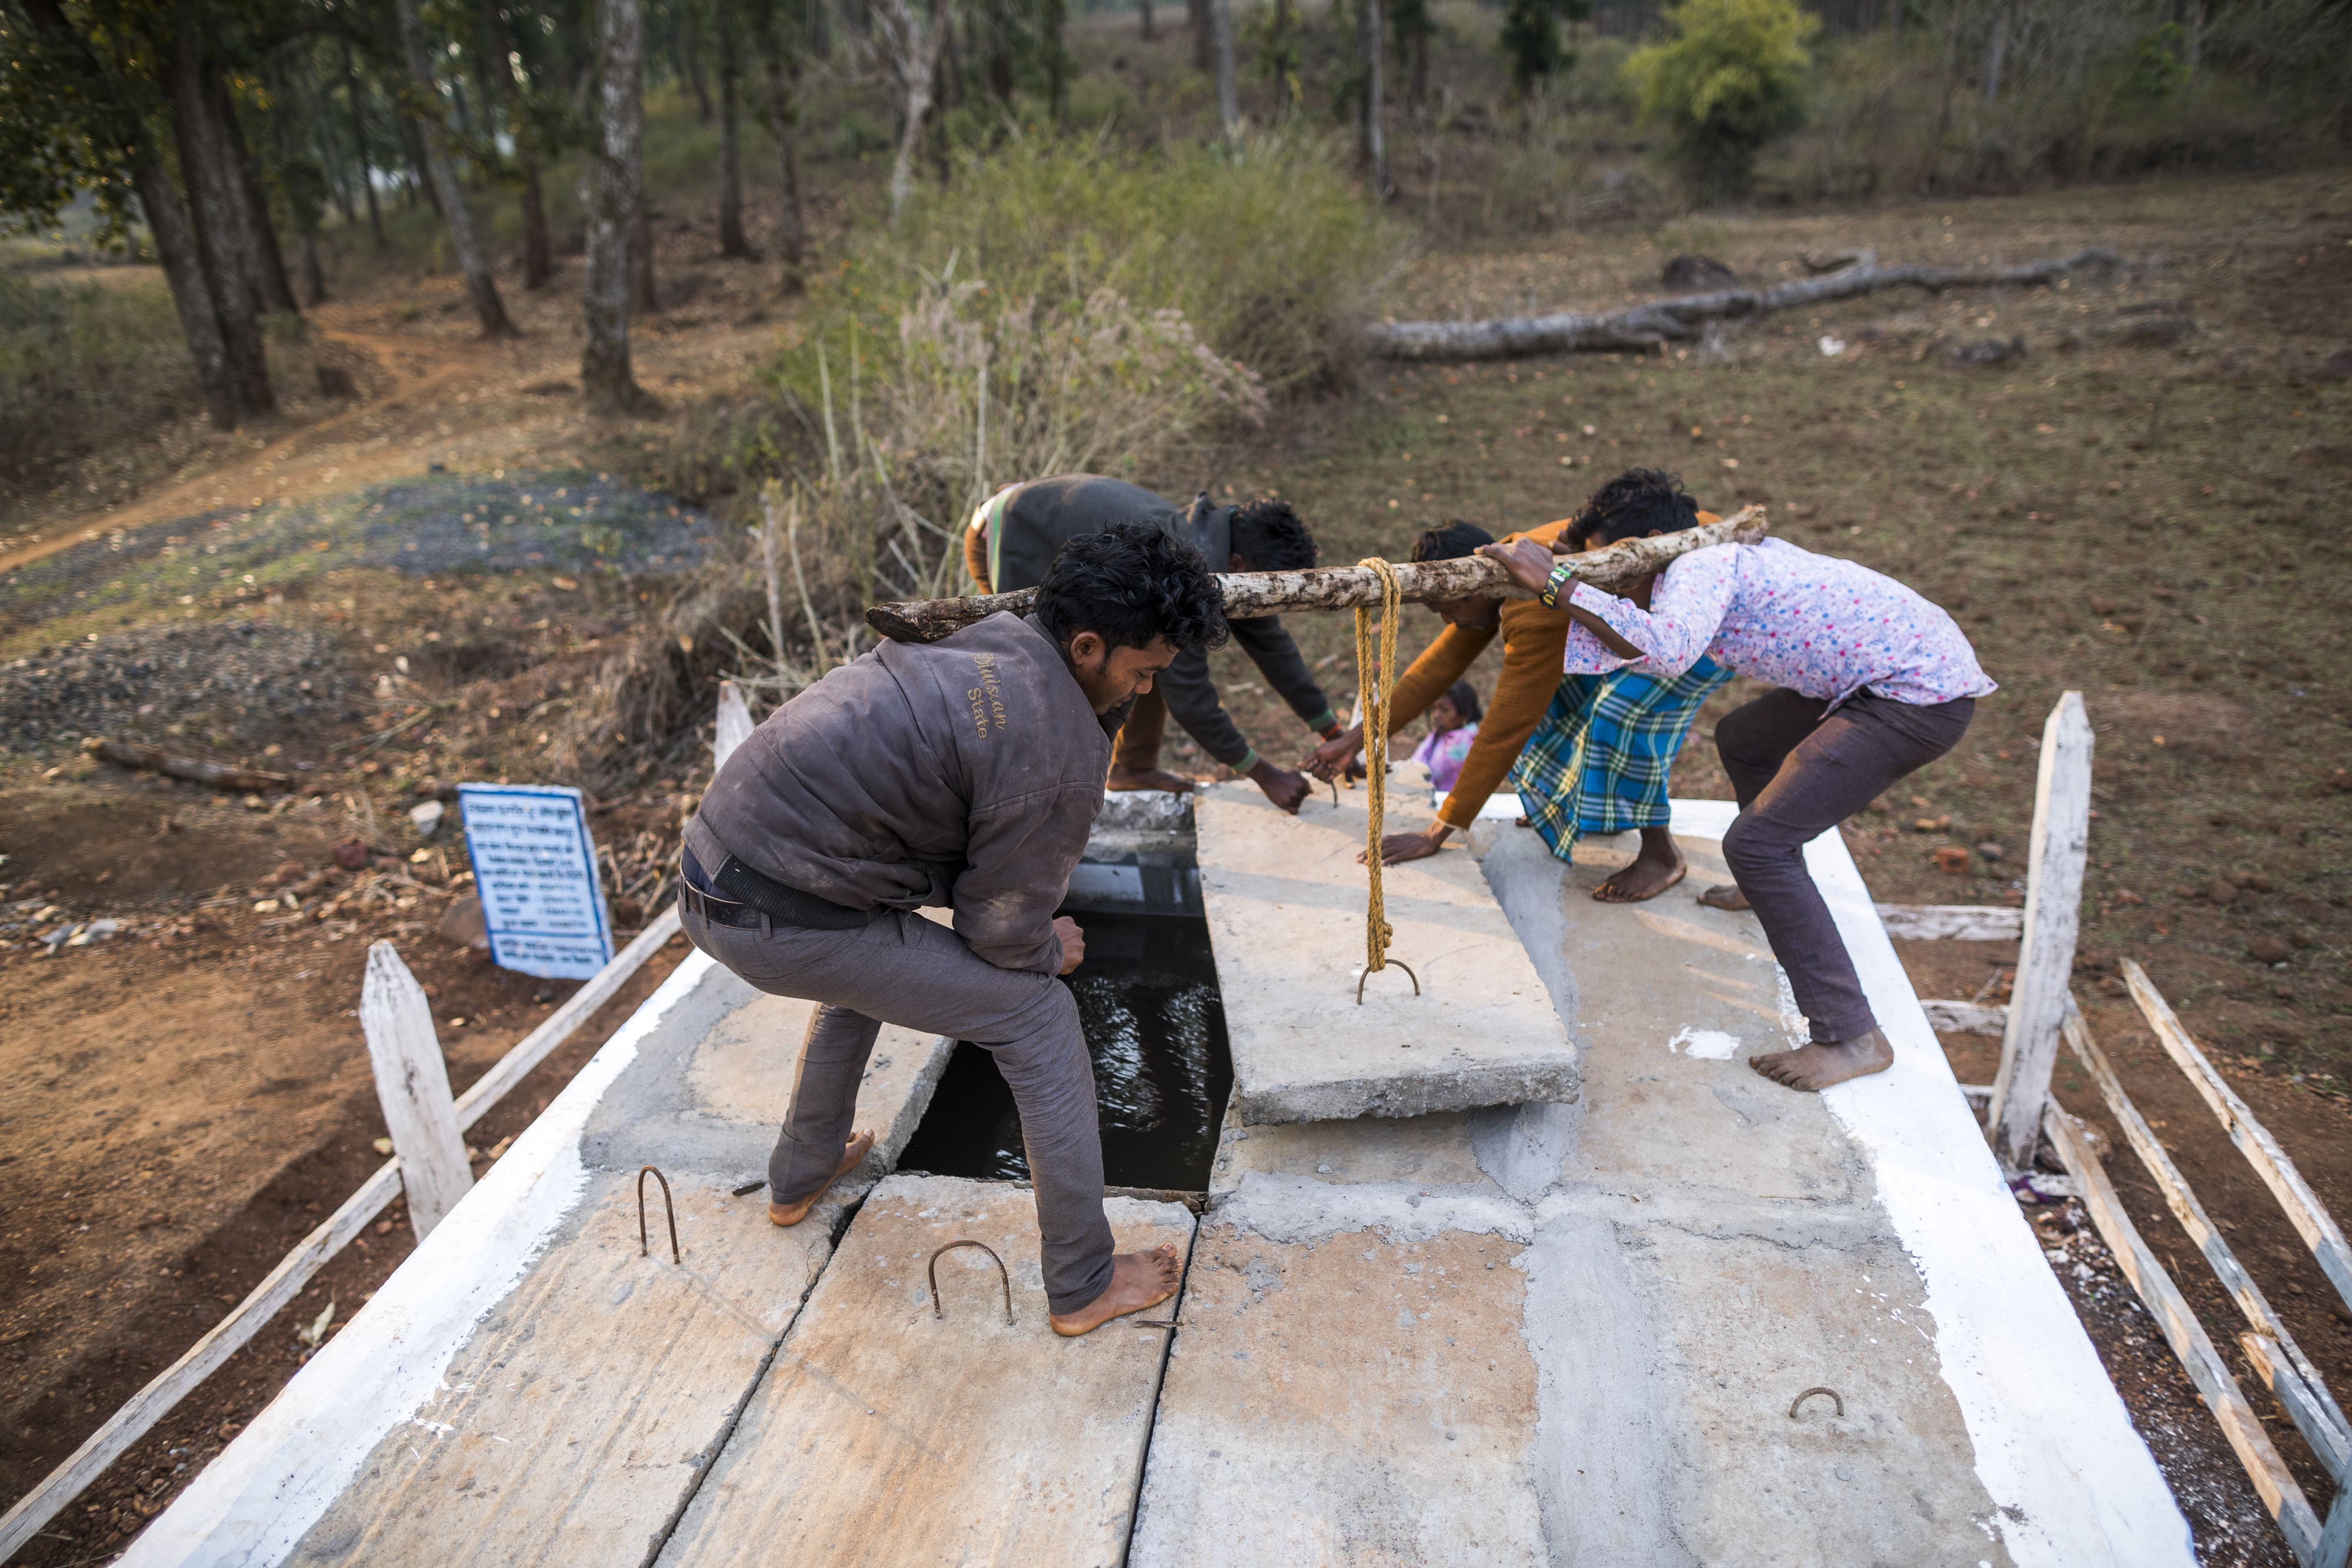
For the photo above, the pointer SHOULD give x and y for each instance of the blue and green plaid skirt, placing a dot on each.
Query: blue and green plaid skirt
(1600, 760)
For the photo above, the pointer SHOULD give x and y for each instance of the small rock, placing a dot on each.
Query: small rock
(2220, 891)
(2269, 949)
(1990, 352)
(382, 1146)
(352, 854)
(1990, 851)
(426, 815)
(463, 923)
(96, 931)
(1952, 860)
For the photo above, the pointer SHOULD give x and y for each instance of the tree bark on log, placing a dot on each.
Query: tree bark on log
(1250, 594)
(219, 775)
(1647, 328)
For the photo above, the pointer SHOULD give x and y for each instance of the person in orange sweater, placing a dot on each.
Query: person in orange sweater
(1602, 747)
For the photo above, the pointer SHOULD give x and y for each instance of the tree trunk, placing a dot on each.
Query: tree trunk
(175, 247)
(1251, 594)
(1646, 328)
(732, 242)
(1204, 47)
(1146, 6)
(1053, 20)
(1371, 131)
(473, 260)
(248, 220)
(913, 39)
(642, 298)
(1419, 77)
(215, 206)
(352, 96)
(691, 41)
(618, 135)
(1221, 25)
(783, 113)
(1996, 47)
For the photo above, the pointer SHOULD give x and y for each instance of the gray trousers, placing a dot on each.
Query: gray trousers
(1800, 772)
(901, 969)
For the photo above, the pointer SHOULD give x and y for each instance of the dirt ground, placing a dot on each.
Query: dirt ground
(2149, 522)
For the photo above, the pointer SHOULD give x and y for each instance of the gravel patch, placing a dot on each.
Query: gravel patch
(223, 685)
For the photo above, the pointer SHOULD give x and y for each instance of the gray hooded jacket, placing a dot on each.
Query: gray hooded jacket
(965, 772)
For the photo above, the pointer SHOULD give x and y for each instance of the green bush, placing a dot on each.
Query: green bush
(1729, 79)
(83, 365)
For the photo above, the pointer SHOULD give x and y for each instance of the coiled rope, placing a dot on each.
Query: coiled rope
(1376, 674)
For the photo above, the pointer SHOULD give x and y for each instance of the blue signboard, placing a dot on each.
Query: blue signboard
(535, 868)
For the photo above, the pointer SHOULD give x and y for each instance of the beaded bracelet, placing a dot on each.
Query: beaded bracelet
(1550, 597)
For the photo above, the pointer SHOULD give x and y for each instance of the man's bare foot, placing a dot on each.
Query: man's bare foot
(1658, 867)
(1815, 1067)
(1724, 895)
(1138, 1279)
(795, 1212)
(1148, 779)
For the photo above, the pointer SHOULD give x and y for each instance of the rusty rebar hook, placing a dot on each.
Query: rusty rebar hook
(1392, 964)
(1003, 1277)
(1809, 1393)
(645, 1246)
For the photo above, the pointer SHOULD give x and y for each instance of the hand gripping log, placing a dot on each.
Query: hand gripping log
(1249, 594)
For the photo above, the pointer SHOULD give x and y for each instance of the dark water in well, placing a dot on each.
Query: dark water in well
(1156, 1030)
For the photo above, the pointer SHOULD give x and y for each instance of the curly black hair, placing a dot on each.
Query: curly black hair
(1128, 584)
(1272, 536)
(1638, 502)
(1455, 540)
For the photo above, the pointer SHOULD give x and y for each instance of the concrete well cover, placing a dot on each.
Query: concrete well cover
(1286, 904)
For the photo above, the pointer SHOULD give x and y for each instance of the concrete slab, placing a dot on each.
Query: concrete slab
(526, 1387)
(1677, 1255)
(1286, 906)
(886, 1436)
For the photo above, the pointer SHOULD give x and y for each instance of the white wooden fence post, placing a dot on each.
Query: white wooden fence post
(2045, 956)
(412, 1085)
(734, 723)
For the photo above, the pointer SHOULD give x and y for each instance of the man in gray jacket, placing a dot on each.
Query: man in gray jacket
(1014, 536)
(966, 773)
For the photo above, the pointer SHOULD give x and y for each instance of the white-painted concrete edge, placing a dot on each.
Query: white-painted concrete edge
(253, 1503)
(2055, 1449)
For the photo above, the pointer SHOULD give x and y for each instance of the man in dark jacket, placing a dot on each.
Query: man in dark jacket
(1015, 535)
(964, 773)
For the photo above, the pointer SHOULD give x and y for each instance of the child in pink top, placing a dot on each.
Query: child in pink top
(1453, 726)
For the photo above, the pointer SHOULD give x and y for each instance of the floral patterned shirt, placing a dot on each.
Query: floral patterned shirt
(1822, 627)
(1442, 751)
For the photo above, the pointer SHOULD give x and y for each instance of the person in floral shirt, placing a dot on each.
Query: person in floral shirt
(1453, 726)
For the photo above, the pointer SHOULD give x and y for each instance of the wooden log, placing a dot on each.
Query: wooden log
(2303, 1211)
(2280, 1496)
(1952, 922)
(2295, 1381)
(1250, 594)
(412, 1085)
(2045, 958)
(219, 775)
(1647, 328)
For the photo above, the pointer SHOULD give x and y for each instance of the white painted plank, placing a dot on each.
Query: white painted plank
(1952, 922)
(412, 1085)
(2298, 1383)
(2303, 1211)
(883, 1435)
(2045, 959)
(2280, 1494)
(734, 723)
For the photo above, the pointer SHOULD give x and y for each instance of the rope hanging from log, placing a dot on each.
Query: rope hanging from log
(1375, 674)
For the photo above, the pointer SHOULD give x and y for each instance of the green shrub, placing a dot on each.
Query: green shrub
(1730, 80)
(83, 365)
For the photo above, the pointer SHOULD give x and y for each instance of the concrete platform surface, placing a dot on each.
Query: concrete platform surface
(527, 1388)
(886, 1436)
(1286, 906)
(1570, 1334)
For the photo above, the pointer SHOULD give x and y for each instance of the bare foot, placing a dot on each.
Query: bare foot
(1815, 1067)
(1138, 1279)
(1725, 895)
(795, 1212)
(1658, 867)
(1148, 779)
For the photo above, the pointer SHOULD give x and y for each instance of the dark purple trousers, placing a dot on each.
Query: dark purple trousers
(1800, 771)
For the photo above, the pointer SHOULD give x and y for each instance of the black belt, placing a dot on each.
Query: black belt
(741, 897)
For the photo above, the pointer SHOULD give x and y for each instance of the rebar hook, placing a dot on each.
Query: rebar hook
(1003, 1275)
(1809, 1393)
(645, 1247)
(1392, 964)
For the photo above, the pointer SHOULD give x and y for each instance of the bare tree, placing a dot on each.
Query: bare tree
(1146, 6)
(780, 53)
(911, 36)
(1371, 135)
(214, 202)
(616, 157)
(1221, 27)
(732, 242)
(472, 259)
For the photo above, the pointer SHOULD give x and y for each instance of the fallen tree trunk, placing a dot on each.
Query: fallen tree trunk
(1647, 328)
(219, 775)
(1250, 594)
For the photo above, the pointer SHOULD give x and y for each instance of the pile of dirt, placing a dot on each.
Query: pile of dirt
(236, 685)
